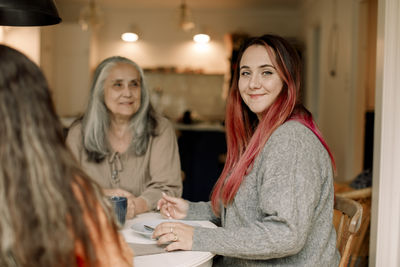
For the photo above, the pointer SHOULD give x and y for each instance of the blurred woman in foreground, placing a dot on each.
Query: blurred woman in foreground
(51, 213)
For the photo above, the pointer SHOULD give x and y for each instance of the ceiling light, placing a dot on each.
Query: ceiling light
(129, 37)
(201, 38)
(28, 13)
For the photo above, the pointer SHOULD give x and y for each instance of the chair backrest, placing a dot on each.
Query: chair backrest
(347, 221)
(360, 248)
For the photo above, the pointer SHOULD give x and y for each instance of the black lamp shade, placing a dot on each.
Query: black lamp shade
(28, 13)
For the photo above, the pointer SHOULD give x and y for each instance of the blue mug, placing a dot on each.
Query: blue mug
(119, 205)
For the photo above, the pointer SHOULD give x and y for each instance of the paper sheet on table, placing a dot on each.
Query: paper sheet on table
(146, 249)
(134, 238)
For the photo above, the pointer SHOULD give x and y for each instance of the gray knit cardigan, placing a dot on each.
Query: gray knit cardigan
(282, 212)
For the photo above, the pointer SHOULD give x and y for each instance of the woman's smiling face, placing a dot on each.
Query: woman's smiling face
(259, 82)
(122, 90)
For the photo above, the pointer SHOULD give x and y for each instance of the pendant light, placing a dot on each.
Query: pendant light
(28, 13)
(91, 16)
(186, 22)
(201, 35)
(132, 35)
(201, 38)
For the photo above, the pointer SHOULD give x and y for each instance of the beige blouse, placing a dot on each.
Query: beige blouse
(147, 176)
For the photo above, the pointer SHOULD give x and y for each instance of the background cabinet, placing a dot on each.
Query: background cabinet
(201, 153)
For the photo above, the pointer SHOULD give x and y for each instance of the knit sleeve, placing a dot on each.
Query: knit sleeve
(201, 211)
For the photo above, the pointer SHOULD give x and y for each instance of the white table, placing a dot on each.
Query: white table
(168, 259)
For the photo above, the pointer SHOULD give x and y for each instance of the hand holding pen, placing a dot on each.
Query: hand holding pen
(172, 207)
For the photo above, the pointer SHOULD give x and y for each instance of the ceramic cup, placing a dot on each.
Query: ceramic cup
(119, 205)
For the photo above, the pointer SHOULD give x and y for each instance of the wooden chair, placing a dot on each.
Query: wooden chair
(360, 250)
(347, 221)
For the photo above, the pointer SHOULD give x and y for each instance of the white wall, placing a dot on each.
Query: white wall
(174, 93)
(65, 57)
(336, 107)
(164, 44)
(385, 214)
(24, 39)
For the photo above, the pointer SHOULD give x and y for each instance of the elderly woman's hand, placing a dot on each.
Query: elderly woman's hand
(179, 235)
(131, 209)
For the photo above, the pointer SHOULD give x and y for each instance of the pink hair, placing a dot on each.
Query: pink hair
(246, 138)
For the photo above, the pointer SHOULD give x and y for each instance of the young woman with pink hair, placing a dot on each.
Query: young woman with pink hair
(274, 199)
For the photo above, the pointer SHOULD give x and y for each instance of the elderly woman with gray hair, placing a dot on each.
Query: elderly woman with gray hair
(122, 143)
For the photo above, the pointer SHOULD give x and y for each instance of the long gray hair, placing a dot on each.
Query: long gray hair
(96, 120)
(41, 215)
